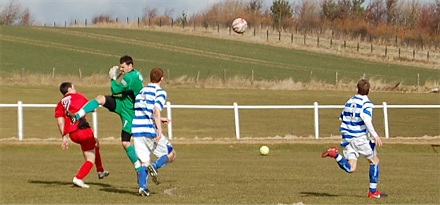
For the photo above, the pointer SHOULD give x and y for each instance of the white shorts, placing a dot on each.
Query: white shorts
(144, 146)
(360, 146)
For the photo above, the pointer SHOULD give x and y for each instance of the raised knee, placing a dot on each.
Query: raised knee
(100, 99)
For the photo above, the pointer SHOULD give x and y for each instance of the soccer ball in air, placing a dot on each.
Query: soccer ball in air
(239, 25)
(264, 150)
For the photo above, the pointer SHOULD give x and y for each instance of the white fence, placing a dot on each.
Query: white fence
(234, 107)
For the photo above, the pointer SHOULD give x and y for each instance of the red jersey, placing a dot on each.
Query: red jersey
(72, 102)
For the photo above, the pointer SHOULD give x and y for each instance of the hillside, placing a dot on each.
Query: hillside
(204, 58)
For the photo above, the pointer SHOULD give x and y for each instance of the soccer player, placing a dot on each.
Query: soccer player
(147, 131)
(120, 102)
(356, 129)
(79, 132)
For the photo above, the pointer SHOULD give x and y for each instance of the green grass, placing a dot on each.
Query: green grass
(39, 123)
(219, 174)
(226, 173)
(94, 50)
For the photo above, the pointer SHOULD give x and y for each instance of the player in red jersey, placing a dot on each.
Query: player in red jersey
(79, 132)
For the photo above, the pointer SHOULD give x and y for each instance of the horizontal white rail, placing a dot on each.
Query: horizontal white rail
(235, 107)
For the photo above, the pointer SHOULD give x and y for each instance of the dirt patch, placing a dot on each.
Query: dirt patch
(435, 140)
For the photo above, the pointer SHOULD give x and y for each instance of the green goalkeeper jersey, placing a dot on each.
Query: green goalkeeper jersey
(124, 93)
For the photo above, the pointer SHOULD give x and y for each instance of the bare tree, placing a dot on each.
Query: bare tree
(411, 11)
(391, 11)
(437, 18)
(375, 12)
(26, 18)
(308, 16)
(255, 10)
(150, 13)
(10, 13)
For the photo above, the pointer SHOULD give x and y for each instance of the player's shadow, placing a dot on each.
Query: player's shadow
(119, 191)
(122, 191)
(316, 194)
(435, 147)
(320, 194)
(105, 187)
(64, 183)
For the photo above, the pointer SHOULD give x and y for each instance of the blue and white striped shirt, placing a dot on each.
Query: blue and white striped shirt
(149, 97)
(356, 119)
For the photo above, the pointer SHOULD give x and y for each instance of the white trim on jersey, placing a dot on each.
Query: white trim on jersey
(149, 97)
(357, 108)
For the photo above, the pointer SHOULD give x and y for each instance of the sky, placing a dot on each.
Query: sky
(50, 11)
(47, 11)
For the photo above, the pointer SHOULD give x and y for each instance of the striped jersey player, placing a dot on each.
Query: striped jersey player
(359, 137)
(147, 130)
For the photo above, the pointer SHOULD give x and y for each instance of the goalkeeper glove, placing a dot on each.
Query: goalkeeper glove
(114, 72)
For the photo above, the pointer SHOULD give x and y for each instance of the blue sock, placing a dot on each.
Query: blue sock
(374, 177)
(143, 177)
(160, 162)
(343, 163)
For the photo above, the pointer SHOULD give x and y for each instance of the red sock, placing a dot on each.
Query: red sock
(84, 170)
(98, 161)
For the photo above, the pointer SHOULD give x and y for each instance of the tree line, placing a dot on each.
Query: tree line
(412, 21)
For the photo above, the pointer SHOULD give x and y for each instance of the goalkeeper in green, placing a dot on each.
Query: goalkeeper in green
(120, 102)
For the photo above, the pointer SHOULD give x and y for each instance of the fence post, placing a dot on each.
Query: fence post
(315, 104)
(95, 123)
(385, 120)
(20, 120)
(418, 81)
(267, 35)
(317, 41)
(170, 127)
(237, 121)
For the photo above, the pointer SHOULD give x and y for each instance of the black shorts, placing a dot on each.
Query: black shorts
(125, 136)
(110, 103)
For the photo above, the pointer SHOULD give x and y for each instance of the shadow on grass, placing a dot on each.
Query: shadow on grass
(119, 191)
(317, 194)
(320, 194)
(64, 183)
(106, 187)
(123, 191)
(435, 147)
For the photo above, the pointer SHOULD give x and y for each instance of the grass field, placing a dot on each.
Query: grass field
(39, 123)
(231, 173)
(212, 167)
(93, 50)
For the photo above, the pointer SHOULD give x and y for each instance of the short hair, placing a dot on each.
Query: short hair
(363, 87)
(156, 75)
(64, 87)
(126, 59)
